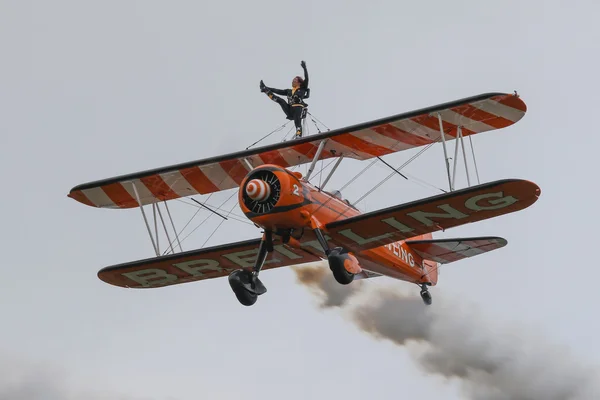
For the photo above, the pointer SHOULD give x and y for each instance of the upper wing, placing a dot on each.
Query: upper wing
(200, 264)
(445, 251)
(363, 141)
(432, 214)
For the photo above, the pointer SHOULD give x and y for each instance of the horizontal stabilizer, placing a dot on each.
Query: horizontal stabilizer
(366, 274)
(460, 207)
(476, 114)
(445, 251)
(195, 265)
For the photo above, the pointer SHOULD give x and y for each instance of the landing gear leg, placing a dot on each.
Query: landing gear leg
(425, 295)
(322, 241)
(245, 284)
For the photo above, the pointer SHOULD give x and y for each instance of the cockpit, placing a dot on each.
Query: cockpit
(338, 195)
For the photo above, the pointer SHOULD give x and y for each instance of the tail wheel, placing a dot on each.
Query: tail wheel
(426, 296)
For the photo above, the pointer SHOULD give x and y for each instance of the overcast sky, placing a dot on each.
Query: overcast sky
(89, 90)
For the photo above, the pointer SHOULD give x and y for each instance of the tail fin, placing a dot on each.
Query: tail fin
(445, 251)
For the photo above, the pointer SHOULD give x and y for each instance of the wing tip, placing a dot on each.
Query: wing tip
(513, 100)
(80, 197)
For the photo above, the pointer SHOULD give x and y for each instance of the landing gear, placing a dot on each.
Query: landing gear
(336, 259)
(336, 264)
(241, 284)
(245, 284)
(425, 295)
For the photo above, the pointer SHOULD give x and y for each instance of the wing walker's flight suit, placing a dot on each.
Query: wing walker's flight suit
(295, 98)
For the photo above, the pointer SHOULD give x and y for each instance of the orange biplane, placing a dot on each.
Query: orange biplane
(303, 223)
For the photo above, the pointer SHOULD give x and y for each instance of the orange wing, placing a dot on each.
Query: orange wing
(201, 264)
(375, 138)
(445, 251)
(432, 214)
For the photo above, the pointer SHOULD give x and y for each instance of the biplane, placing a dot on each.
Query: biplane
(301, 222)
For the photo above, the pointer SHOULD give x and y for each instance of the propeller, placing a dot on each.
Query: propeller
(262, 192)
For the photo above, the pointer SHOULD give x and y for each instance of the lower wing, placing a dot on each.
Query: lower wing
(195, 265)
(402, 222)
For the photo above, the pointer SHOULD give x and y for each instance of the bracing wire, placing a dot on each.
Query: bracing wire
(269, 134)
(312, 117)
(232, 215)
(218, 226)
(418, 181)
(396, 171)
(205, 219)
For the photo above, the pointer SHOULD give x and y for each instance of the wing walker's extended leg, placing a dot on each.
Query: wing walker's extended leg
(245, 284)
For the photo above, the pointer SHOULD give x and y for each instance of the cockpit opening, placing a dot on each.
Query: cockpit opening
(338, 195)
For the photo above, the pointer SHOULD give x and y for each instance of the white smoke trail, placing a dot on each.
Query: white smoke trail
(454, 341)
(20, 380)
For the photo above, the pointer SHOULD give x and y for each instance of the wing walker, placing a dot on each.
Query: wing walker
(302, 222)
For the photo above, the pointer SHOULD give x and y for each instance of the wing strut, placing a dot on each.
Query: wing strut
(137, 196)
(165, 228)
(337, 163)
(315, 158)
(173, 225)
(474, 161)
(155, 209)
(459, 138)
(443, 135)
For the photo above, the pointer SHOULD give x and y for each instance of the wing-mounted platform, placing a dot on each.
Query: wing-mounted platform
(402, 222)
(445, 251)
(363, 141)
(208, 263)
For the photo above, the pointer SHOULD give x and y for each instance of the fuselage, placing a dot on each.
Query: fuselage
(295, 207)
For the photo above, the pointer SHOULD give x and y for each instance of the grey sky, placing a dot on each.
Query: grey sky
(92, 90)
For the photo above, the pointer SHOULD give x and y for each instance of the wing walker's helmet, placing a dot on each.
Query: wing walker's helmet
(298, 79)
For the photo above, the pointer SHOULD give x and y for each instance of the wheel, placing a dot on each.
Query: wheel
(336, 261)
(341, 275)
(426, 296)
(245, 297)
(237, 279)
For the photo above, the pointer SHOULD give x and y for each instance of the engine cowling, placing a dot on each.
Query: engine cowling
(272, 197)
